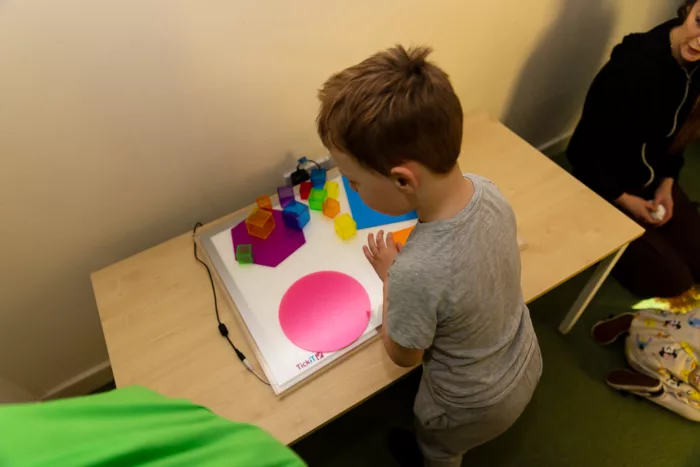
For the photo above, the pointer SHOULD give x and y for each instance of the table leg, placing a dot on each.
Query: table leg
(584, 298)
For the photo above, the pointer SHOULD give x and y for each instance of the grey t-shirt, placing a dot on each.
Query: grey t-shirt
(454, 290)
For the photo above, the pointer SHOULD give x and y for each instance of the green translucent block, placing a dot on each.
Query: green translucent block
(244, 254)
(316, 198)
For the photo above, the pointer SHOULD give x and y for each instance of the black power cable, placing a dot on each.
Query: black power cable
(223, 330)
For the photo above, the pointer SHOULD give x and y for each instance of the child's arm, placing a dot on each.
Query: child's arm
(381, 255)
(398, 354)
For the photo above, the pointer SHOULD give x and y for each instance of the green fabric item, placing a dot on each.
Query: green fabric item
(132, 427)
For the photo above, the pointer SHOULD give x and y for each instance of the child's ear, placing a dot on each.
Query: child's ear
(404, 178)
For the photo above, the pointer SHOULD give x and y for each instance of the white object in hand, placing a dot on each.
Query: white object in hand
(659, 214)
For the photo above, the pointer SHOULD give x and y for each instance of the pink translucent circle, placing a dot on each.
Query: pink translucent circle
(325, 311)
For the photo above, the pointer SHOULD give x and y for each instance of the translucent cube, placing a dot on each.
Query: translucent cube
(285, 194)
(345, 226)
(244, 254)
(318, 177)
(331, 207)
(316, 199)
(260, 223)
(304, 190)
(332, 189)
(264, 202)
(296, 215)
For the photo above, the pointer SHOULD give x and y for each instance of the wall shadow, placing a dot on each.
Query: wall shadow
(553, 83)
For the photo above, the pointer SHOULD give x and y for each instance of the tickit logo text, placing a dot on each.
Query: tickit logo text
(312, 359)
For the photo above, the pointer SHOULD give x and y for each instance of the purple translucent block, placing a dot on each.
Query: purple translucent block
(286, 195)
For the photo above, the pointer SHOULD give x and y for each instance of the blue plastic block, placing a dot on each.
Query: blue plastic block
(318, 178)
(296, 215)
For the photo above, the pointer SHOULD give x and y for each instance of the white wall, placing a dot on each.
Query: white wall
(11, 393)
(124, 122)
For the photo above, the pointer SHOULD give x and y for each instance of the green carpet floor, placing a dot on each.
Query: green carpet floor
(574, 418)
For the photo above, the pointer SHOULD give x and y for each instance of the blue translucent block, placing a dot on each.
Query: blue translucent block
(296, 215)
(318, 178)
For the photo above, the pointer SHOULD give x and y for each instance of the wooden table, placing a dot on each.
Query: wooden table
(157, 312)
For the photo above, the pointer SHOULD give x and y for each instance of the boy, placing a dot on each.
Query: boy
(452, 296)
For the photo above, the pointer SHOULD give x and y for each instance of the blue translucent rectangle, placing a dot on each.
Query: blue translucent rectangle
(366, 217)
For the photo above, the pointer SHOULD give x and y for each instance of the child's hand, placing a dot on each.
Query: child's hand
(381, 254)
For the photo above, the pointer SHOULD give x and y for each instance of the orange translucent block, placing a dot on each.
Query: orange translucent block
(260, 223)
(331, 207)
(345, 226)
(264, 202)
(401, 236)
(331, 189)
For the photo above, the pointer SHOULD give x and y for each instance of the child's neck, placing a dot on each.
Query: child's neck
(444, 196)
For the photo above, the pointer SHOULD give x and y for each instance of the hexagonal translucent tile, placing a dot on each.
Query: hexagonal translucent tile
(282, 242)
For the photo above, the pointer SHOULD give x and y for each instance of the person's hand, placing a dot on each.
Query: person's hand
(381, 253)
(664, 197)
(638, 208)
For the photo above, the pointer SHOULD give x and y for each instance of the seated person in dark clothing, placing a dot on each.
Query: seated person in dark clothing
(640, 112)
